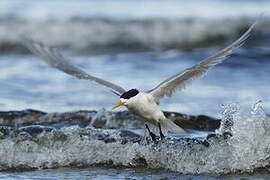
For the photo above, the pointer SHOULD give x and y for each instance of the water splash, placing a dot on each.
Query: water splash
(257, 109)
(250, 138)
(228, 115)
(246, 150)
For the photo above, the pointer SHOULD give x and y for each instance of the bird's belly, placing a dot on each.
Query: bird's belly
(150, 113)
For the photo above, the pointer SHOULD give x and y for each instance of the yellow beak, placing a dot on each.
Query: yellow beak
(117, 105)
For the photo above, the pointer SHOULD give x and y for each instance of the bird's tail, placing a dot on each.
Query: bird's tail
(171, 126)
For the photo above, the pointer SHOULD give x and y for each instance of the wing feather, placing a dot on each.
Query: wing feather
(55, 59)
(182, 79)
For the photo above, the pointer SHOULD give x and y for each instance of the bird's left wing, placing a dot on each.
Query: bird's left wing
(182, 79)
(52, 57)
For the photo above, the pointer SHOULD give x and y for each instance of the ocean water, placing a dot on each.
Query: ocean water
(133, 44)
(243, 155)
(96, 173)
(29, 83)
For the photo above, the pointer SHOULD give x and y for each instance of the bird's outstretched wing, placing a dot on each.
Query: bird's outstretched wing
(55, 59)
(182, 79)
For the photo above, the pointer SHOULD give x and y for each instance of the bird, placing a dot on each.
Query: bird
(144, 104)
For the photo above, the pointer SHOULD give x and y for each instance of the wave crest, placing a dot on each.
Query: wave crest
(245, 151)
(99, 33)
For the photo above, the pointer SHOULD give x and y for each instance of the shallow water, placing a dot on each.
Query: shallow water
(96, 173)
(239, 146)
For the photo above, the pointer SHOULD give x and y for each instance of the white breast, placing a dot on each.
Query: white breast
(144, 106)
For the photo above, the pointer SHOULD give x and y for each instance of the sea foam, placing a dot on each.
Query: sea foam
(245, 151)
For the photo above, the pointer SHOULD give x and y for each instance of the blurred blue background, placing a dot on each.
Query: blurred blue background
(135, 44)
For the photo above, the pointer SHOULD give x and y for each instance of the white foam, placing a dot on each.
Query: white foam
(156, 34)
(245, 151)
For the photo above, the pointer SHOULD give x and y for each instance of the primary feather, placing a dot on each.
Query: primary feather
(55, 59)
(182, 79)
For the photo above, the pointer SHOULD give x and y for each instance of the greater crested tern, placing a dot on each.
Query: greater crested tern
(144, 104)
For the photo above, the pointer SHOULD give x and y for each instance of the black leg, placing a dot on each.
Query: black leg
(153, 136)
(160, 132)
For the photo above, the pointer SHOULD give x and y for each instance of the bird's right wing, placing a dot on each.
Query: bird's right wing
(52, 57)
(182, 79)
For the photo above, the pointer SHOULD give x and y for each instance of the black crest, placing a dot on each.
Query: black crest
(129, 94)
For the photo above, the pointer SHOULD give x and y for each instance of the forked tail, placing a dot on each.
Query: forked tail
(171, 126)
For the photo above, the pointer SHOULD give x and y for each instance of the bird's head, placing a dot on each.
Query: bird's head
(126, 98)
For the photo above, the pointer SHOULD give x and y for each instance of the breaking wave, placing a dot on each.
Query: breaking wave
(243, 148)
(86, 34)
